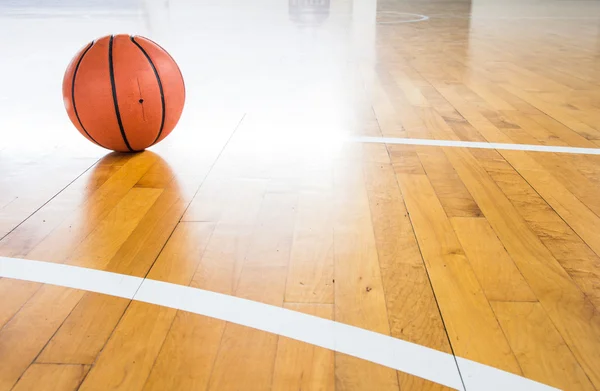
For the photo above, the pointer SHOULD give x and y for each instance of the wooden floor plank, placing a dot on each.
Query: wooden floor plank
(84, 332)
(405, 159)
(211, 200)
(127, 359)
(495, 270)
(570, 208)
(412, 308)
(99, 247)
(359, 295)
(571, 178)
(223, 259)
(572, 313)
(300, 366)
(26, 334)
(130, 353)
(141, 248)
(48, 180)
(246, 356)
(62, 241)
(95, 316)
(563, 132)
(580, 262)
(52, 377)
(188, 354)
(310, 278)
(533, 132)
(32, 231)
(569, 311)
(262, 278)
(450, 190)
(470, 322)
(191, 345)
(556, 112)
(14, 294)
(540, 349)
(272, 239)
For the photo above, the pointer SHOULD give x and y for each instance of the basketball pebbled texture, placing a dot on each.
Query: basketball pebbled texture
(124, 93)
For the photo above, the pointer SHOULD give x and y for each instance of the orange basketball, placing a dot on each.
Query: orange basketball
(124, 93)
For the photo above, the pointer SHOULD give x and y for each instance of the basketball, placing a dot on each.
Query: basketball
(124, 93)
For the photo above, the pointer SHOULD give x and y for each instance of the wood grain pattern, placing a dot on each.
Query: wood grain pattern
(14, 293)
(471, 324)
(359, 295)
(246, 356)
(33, 230)
(31, 328)
(108, 236)
(300, 366)
(112, 196)
(130, 353)
(188, 354)
(568, 206)
(412, 309)
(450, 190)
(272, 238)
(100, 245)
(495, 270)
(50, 178)
(74, 229)
(52, 377)
(566, 305)
(541, 351)
(310, 278)
(85, 331)
(223, 259)
(580, 262)
(186, 358)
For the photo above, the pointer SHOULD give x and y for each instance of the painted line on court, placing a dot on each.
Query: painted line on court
(415, 17)
(475, 144)
(403, 356)
(70, 276)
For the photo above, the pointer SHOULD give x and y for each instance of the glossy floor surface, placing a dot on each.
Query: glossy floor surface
(489, 255)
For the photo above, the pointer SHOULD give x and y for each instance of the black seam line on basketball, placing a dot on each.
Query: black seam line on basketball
(174, 62)
(73, 94)
(114, 92)
(160, 87)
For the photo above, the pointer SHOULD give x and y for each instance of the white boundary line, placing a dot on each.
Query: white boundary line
(404, 356)
(474, 144)
(419, 17)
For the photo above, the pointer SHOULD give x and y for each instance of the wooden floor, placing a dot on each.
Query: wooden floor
(491, 255)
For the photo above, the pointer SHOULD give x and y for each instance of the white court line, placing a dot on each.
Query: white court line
(403, 356)
(418, 17)
(70, 276)
(474, 144)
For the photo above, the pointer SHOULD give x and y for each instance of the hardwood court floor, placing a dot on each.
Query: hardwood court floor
(491, 255)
